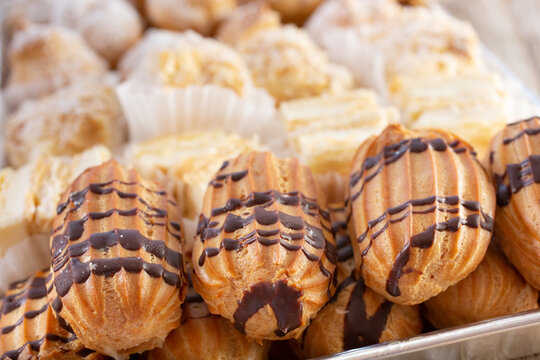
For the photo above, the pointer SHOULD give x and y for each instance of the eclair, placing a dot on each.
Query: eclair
(264, 257)
(356, 317)
(422, 211)
(29, 330)
(494, 289)
(117, 264)
(515, 169)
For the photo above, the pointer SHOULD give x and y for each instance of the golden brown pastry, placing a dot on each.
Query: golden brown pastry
(66, 122)
(345, 254)
(265, 256)
(288, 64)
(515, 168)
(357, 316)
(202, 16)
(29, 330)
(246, 21)
(45, 58)
(116, 248)
(422, 212)
(203, 336)
(296, 11)
(494, 289)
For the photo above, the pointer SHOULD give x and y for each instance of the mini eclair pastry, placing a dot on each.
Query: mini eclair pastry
(203, 336)
(289, 65)
(29, 330)
(66, 122)
(357, 316)
(515, 169)
(202, 16)
(494, 289)
(325, 131)
(265, 256)
(246, 21)
(118, 271)
(422, 212)
(45, 58)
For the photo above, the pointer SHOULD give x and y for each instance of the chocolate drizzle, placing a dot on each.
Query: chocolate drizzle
(359, 330)
(282, 299)
(519, 176)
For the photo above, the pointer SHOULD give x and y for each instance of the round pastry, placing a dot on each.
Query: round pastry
(110, 27)
(356, 317)
(116, 249)
(29, 330)
(66, 122)
(203, 336)
(21, 14)
(265, 256)
(422, 212)
(202, 16)
(45, 58)
(515, 169)
(289, 65)
(246, 21)
(494, 289)
(181, 59)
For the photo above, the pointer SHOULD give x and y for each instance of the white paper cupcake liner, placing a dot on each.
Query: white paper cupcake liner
(151, 111)
(24, 259)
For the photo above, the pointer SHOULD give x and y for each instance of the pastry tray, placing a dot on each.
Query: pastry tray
(502, 338)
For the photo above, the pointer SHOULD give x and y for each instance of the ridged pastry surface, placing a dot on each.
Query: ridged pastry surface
(515, 169)
(28, 328)
(356, 317)
(494, 289)
(265, 254)
(221, 340)
(118, 268)
(422, 212)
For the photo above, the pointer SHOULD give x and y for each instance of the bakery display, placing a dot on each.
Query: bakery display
(67, 122)
(515, 170)
(261, 180)
(494, 289)
(264, 256)
(117, 262)
(422, 210)
(29, 329)
(43, 58)
(221, 339)
(357, 316)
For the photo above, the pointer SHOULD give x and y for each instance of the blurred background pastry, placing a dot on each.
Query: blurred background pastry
(515, 170)
(29, 329)
(202, 16)
(422, 212)
(221, 340)
(64, 123)
(494, 289)
(45, 58)
(356, 317)
(28, 199)
(288, 64)
(265, 256)
(116, 248)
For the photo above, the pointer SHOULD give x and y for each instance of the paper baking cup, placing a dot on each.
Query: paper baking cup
(151, 111)
(24, 259)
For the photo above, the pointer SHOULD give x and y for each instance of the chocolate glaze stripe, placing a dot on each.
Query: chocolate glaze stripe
(523, 121)
(450, 200)
(27, 315)
(234, 176)
(36, 290)
(78, 197)
(131, 240)
(78, 272)
(358, 329)
(282, 298)
(36, 345)
(519, 176)
(392, 153)
(131, 212)
(425, 240)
